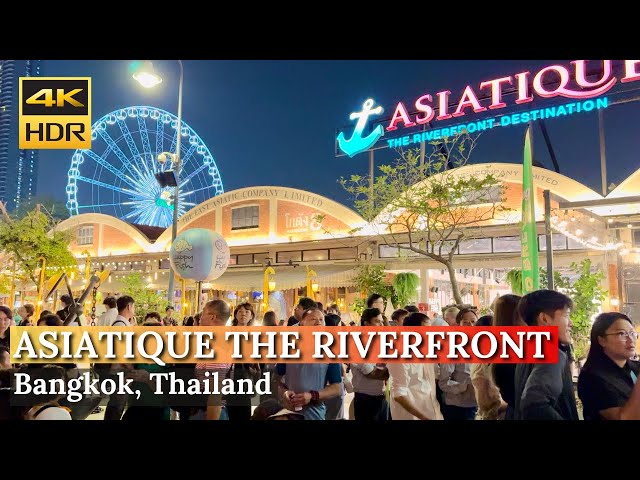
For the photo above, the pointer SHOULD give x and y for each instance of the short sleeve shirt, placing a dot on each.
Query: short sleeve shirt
(303, 377)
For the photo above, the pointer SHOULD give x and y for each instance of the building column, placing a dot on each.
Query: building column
(273, 218)
(423, 297)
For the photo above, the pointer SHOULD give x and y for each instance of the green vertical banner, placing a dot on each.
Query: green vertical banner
(528, 234)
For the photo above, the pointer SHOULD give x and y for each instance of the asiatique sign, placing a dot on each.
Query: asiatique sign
(571, 82)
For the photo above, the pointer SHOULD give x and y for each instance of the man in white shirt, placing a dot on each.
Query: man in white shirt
(450, 315)
(413, 385)
(369, 401)
(118, 402)
(110, 315)
(126, 312)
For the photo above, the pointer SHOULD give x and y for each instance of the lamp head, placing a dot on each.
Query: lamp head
(145, 74)
(164, 157)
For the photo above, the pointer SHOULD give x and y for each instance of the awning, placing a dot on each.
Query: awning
(286, 277)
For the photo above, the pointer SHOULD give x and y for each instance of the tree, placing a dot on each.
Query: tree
(55, 208)
(34, 236)
(146, 300)
(587, 295)
(426, 208)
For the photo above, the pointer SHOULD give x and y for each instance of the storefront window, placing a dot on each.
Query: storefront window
(343, 253)
(245, 217)
(260, 258)
(392, 251)
(315, 255)
(559, 242)
(245, 259)
(284, 257)
(476, 245)
(85, 235)
(506, 244)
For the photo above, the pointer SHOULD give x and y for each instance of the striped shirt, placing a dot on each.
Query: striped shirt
(222, 369)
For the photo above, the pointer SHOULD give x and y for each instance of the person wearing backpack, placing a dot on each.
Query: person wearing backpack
(126, 312)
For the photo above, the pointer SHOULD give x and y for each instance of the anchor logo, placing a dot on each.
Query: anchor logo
(357, 143)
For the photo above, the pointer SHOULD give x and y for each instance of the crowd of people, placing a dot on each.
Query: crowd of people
(606, 385)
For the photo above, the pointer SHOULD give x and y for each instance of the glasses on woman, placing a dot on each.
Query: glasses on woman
(624, 335)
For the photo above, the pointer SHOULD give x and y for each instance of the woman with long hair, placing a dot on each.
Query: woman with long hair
(270, 319)
(5, 321)
(504, 374)
(490, 403)
(369, 400)
(607, 384)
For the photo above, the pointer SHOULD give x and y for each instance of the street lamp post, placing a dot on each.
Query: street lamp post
(176, 167)
(269, 284)
(148, 79)
(312, 279)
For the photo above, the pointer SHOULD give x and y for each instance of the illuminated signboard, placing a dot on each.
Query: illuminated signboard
(572, 83)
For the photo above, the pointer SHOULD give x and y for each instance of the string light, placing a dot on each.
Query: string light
(586, 233)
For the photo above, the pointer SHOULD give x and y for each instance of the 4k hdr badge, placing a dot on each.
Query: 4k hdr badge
(55, 112)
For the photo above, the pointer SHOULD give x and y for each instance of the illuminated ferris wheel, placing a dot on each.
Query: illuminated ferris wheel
(117, 175)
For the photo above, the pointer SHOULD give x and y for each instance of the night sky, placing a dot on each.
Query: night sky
(273, 122)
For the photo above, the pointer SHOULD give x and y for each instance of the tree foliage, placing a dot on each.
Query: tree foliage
(587, 295)
(584, 288)
(425, 207)
(54, 208)
(405, 285)
(34, 236)
(146, 300)
(370, 278)
(5, 284)
(514, 280)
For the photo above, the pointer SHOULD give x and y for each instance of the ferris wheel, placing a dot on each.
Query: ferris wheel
(117, 175)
